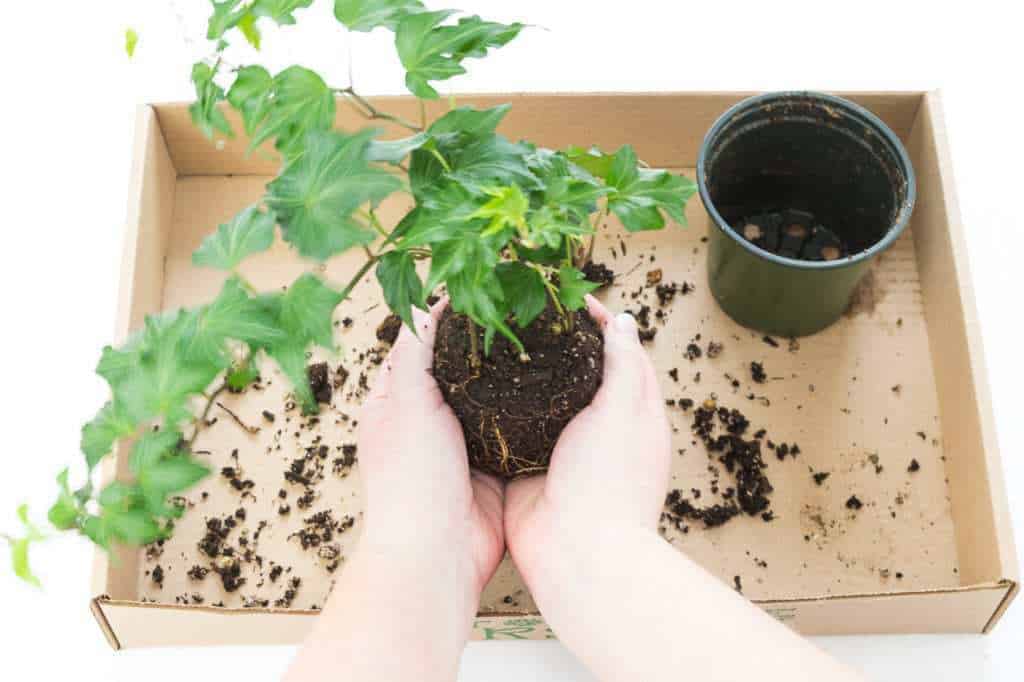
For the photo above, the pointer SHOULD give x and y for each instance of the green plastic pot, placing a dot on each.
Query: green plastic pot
(805, 151)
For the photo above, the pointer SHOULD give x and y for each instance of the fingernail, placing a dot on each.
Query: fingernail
(624, 322)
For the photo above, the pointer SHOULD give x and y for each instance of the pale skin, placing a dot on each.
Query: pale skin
(583, 536)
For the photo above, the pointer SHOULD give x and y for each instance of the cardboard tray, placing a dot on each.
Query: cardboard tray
(930, 551)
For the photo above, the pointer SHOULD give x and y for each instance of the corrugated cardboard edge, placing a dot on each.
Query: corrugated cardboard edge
(997, 482)
(101, 618)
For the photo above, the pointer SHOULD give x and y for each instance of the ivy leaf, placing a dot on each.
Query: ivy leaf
(163, 379)
(250, 95)
(249, 232)
(366, 15)
(491, 160)
(317, 193)
(119, 495)
(401, 285)
(247, 25)
(100, 434)
(133, 526)
(20, 547)
(240, 377)
(279, 10)
(131, 41)
(476, 292)
(307, 309)
(506, 209)
(299, 102)
(169, 476)
(524, 288)
(232, 315)
(64, 512)
(470, 121)
(592, 160)
(152, 447)
(206, 114)
(225, 17)
(431, 52)
(572, 287)
(393, 151)
(291, 359)
(641, 194)
(95, 528)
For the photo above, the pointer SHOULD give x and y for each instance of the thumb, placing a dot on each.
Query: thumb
(626, 366)
(407, 367)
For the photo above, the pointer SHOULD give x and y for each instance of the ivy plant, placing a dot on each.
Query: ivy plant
(505, 227)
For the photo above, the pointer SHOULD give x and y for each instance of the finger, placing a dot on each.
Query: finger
(521, 496)
(625, 374)
(408, 364)
(601, 314)
(489, 493)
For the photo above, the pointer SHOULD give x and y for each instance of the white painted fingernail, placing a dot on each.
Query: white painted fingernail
(624, 322)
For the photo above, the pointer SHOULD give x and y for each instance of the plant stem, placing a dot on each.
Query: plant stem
(423, 115)
(359, 275)
(206, 412)
(373, 112)
(553, 293)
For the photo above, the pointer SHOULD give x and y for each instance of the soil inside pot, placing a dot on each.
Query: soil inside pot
(513, 409)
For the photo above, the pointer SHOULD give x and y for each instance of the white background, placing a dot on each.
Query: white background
(66, 116)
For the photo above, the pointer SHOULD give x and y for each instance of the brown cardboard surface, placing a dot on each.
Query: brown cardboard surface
(944, 529)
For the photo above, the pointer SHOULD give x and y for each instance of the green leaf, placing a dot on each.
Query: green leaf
(250, 95)
(317, 193)
(300, 102)
(572, 287)
(249, 232)
(394, 151)
(152, 447)
(524, 288)
(247, 25)
(307, 309)
(20, 547)
(476, 291)
(225, 17)
(20, 563)
(641, 194)
(491, 160)
(240, 377)
(205, 112)
(120, 496)
(134, 526)
(291, 359)
(470, 121)
(232, 315)
(430, 51)
(593, 160)
(172, 475)
(401, 285)
(506, 209)
(131, 41)
(366, 15)
(100, 434)
(164, 378)
(63, 515)
(279, 10)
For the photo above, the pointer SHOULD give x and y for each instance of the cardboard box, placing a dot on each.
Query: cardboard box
(930, 551)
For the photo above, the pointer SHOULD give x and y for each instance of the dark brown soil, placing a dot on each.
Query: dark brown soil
(320, 382)
(387, 331)
(599, 273)
(512, 408)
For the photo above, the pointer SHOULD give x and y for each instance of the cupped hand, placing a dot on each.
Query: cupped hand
(420, 493)
(609, 470)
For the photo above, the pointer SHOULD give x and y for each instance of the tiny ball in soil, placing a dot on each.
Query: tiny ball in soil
(513, 405)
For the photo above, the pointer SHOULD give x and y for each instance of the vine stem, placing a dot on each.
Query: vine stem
(206, 412)
(373, 112)
(593, 238)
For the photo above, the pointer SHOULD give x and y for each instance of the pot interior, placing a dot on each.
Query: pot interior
(814, 153)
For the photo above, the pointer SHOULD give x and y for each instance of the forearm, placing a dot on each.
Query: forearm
(637, 609)
(395, 614)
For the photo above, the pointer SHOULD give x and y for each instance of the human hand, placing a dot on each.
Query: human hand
(420, 493)
(609, 470)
